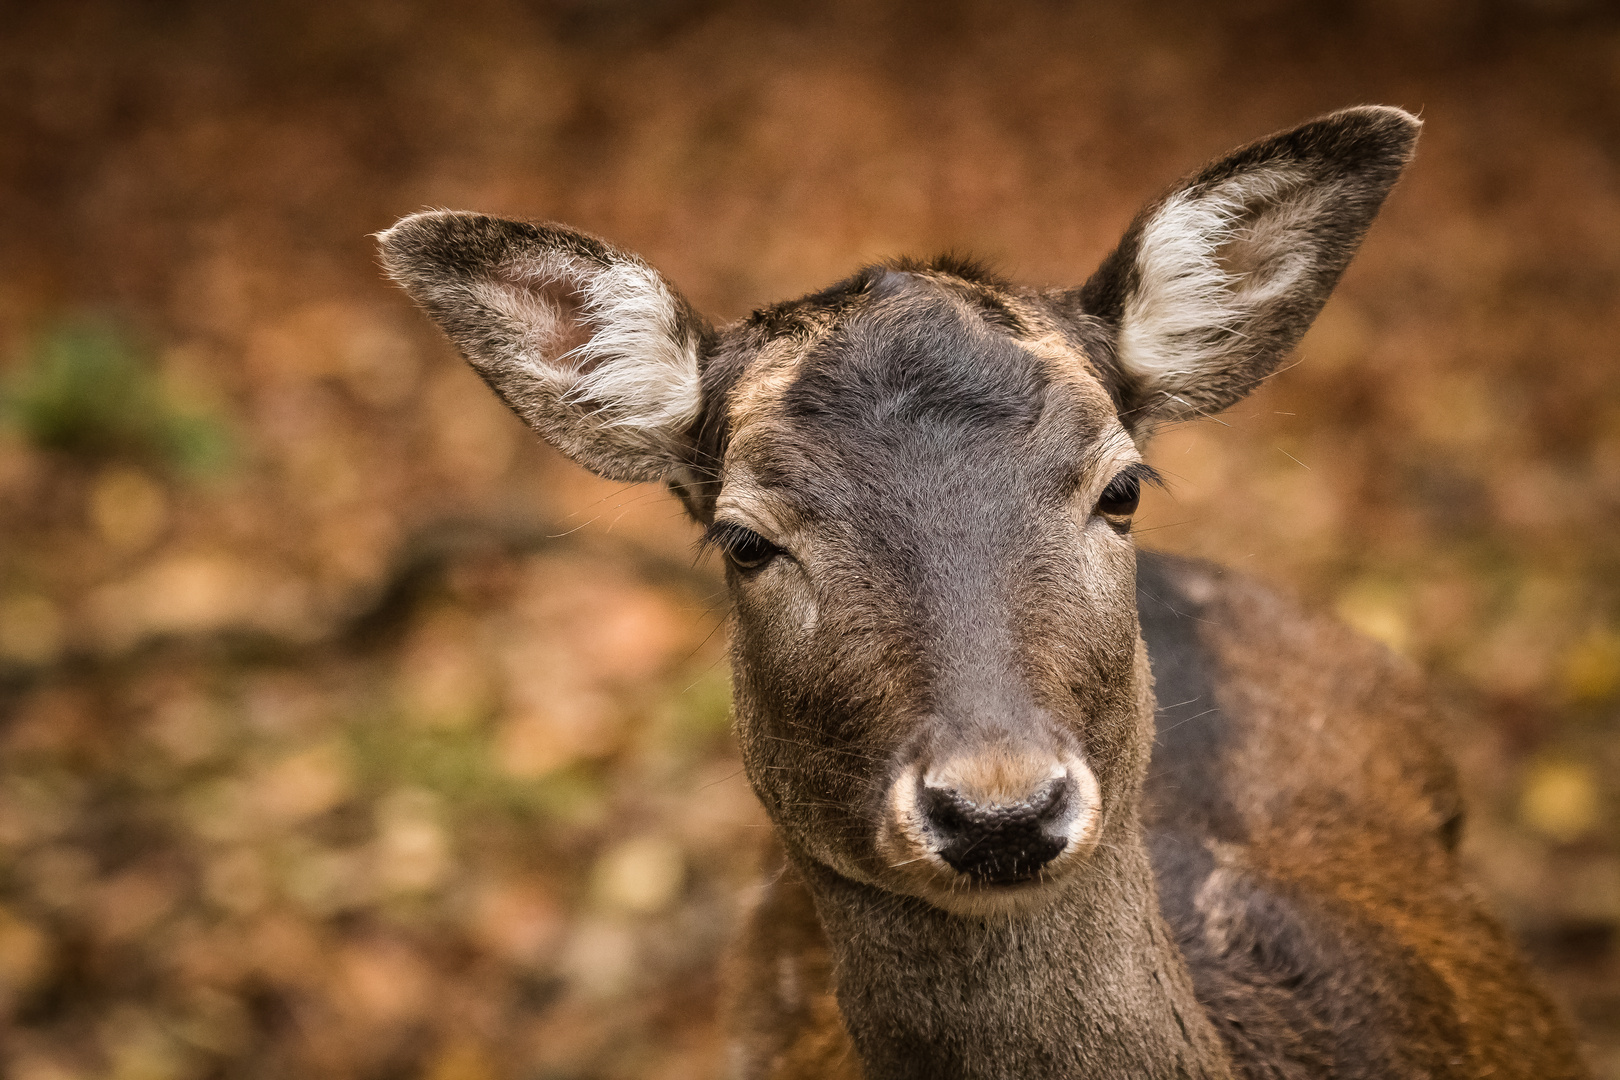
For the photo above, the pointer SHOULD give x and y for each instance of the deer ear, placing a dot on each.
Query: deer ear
(588, 344)
(1215, 282)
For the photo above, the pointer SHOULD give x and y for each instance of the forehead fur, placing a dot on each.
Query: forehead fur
(941, 344)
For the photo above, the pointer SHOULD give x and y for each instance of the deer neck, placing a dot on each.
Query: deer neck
(1089, 986)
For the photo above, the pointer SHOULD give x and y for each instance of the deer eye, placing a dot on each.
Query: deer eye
(746, 549)
(1120, 497)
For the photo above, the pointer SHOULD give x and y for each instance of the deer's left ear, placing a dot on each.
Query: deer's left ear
(587, 343)
(1216, 281)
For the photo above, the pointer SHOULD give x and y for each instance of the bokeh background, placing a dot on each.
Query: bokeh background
(346, 731)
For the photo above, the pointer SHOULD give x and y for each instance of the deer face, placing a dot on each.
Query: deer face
(922, 482)
(924, 505)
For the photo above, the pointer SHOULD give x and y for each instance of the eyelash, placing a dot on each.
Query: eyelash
(745, 548)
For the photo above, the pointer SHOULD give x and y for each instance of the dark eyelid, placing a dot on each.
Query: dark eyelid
(1144, 473)
(723, 534)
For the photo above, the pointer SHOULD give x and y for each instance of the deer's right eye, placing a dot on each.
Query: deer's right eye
(746, 549)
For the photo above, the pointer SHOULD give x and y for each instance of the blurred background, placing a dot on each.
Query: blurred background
(347, 731)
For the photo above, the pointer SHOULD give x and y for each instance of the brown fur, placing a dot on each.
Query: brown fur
(780, 996)
(1347, 802)
(996, 855)
(1362, 718)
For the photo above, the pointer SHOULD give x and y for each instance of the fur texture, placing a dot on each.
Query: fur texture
(907, 471)
(586, 343)
(1214, 283)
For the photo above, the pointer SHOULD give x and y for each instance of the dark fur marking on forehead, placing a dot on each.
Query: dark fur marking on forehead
(916, 356)
(954, 288)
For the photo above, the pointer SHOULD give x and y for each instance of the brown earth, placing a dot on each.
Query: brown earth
(347, 732)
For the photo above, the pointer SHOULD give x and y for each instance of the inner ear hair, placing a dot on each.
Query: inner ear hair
(587, 343)
(1217, 280)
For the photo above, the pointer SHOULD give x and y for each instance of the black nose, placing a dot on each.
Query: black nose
(996, 843)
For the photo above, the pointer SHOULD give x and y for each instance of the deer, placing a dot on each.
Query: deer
(1043, 805)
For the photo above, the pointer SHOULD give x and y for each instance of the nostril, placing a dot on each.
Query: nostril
(1049, 797)
(1001, 843)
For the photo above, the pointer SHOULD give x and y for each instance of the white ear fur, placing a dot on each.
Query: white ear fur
(1214, 283)
(635, 369)
(586, 343)
(1189, 304)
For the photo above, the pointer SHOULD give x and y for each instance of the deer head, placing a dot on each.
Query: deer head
(922, 481)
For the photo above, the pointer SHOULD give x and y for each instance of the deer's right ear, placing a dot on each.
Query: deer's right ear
(588, 344)
(1215, 282)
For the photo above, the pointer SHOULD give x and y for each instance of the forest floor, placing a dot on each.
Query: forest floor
(348, 732)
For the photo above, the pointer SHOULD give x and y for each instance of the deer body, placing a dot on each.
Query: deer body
(1298, 925)
(1001, 858)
